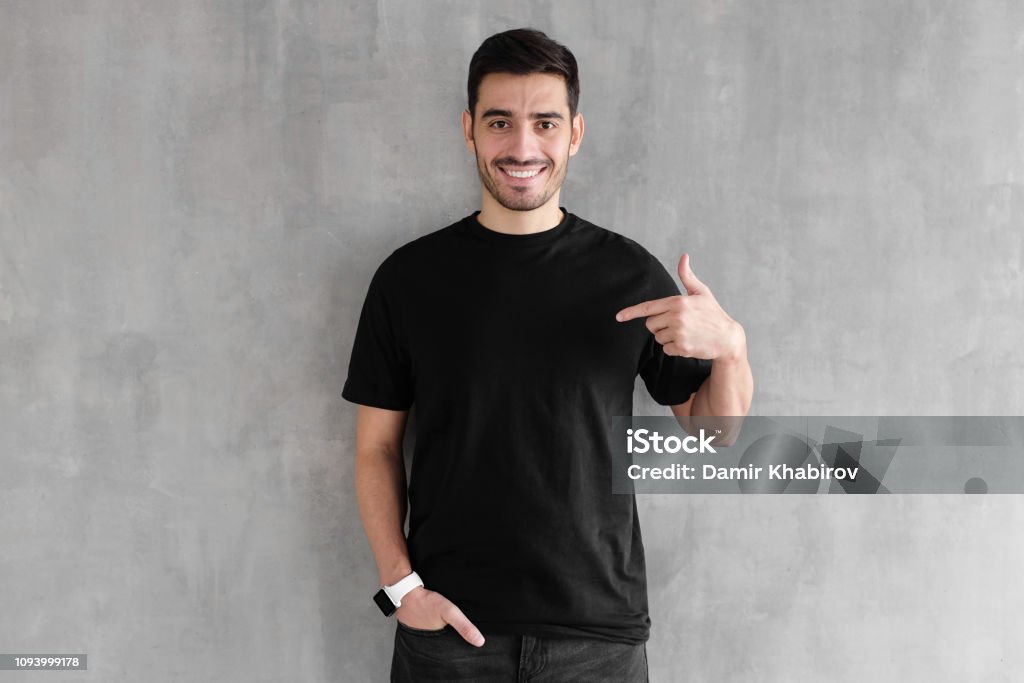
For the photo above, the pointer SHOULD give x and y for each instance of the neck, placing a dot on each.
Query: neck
(496, 217)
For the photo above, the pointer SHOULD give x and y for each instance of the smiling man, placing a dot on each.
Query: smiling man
(518, 187)
(518, 333)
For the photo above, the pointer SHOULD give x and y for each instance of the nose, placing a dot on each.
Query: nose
(524, 147)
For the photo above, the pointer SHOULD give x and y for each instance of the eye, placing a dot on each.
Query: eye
(494, 123)
(551, 123)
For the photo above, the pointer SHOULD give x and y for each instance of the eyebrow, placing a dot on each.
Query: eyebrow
(536, 115)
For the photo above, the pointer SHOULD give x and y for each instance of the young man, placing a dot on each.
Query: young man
(518, 332)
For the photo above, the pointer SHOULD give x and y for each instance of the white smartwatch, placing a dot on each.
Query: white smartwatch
(389, 598)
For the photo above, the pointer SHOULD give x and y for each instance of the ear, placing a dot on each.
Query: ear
(467, 130)
(577, 134)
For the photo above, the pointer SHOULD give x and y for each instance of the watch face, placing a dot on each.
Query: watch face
(384, 602)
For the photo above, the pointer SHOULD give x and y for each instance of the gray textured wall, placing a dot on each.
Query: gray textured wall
(194, 195)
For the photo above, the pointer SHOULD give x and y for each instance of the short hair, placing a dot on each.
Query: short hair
(523, 51)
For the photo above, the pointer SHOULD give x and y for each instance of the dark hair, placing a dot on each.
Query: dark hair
(523, 51)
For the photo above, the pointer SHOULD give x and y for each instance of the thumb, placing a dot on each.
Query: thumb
(469, 632)
(689, 280)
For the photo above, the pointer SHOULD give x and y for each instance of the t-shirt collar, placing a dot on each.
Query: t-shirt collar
(543, 237)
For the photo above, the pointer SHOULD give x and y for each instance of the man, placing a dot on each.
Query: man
(518, 333)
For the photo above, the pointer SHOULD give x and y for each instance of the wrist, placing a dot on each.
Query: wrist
(389, 598)
(414, 594)
(392, 576)
(736, 349)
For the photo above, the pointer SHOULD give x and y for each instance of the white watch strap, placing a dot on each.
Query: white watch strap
(397, 591)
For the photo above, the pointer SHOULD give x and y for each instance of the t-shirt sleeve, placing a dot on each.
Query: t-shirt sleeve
(670, 380)
(379, 370)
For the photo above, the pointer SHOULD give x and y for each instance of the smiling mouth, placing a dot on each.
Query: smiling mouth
(525, 174)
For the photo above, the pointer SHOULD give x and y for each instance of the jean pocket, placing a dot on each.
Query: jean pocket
(424, 631)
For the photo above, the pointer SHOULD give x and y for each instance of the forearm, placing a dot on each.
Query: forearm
(729, 388)
(381, 493)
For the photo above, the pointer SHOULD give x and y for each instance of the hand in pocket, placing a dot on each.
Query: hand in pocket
(428, 610)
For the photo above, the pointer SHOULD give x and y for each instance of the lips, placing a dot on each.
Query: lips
(537, 173)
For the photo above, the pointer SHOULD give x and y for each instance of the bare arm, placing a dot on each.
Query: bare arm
(726, 394)
(381, 492)
(729, 388)
(381, 488)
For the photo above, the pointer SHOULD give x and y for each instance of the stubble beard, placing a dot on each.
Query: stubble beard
(514, 200)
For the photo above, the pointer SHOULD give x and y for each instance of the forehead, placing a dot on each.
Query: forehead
(522, 94)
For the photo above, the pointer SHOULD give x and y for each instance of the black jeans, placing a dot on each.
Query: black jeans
(443, 655)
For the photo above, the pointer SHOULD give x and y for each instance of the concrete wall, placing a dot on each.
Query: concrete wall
(194, 195)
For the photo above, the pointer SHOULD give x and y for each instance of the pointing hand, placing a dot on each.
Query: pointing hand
(693, 326)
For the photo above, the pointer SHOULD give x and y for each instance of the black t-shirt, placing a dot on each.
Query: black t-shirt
(509, 348)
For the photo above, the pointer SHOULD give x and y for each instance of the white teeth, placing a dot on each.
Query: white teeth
(522, 174)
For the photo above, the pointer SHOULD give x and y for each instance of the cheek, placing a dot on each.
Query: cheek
(485, 148)
(558, 150)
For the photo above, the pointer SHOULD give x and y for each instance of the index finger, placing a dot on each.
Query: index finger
(644, 309)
